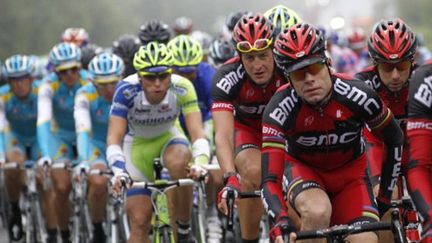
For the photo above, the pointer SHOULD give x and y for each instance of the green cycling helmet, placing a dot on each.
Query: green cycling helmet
(186, 50)
(282, 17)
(153, 54)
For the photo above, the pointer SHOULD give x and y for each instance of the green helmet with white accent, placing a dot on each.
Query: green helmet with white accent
(153, 54)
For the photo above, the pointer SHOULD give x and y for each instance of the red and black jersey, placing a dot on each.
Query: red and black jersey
(397, 102)
(419, 133)
(233, 90)
(324, 138)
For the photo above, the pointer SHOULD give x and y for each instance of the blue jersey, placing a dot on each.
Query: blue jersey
(55, 112)
(202, 85)
(20, 115)
(91, 118)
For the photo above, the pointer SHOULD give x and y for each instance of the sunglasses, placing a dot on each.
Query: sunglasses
(153, 76)
(259, 45)
(400, 66)
(106, 85)
(187, 69)
(312, 69)
(68, 71)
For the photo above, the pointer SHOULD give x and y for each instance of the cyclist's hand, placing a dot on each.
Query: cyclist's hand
(383, 207)
(119, 181)
(232, 183)
(284, 226)
(81, 168)
(197, 172)
(45, 161)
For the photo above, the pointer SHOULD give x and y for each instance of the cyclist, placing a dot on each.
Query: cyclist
(241, 89)
(282, 17)
(188, 63)
(56, 127)
(204, 39)
(91, 112)
(419, 139)
(154, 30)
(312, 142)
(182, 26)
(145, 108)
(87, 53)
(125, 47)
(18, 131)
(357, 43)
(221, 51)
(391, 46)
(77, 36)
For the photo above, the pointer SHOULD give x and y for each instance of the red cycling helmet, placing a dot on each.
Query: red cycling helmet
(356, 39)
(298, 47)
(392, 40)
(78, 36)
(252, 27)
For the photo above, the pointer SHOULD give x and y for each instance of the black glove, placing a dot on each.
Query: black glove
(283, 226)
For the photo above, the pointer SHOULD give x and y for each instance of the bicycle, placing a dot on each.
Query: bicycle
(199, 226)
(116, 225)
(33, 221)
(338, 233)
(81, 224)
(264, 229)
(406, 213)
(162, 230)
(4, 202)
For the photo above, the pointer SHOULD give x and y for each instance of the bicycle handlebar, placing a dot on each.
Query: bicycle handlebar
(163, 184)
(343, 230)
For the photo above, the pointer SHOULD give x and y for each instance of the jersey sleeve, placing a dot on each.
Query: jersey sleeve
(419, 127)
(224, 87)
(123, 99)
(44, 111)
(186, 95)
(83, 124)
(273, 164)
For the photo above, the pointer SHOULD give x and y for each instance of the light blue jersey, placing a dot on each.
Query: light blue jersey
(18, 122)
(91, 119)
(56, 126)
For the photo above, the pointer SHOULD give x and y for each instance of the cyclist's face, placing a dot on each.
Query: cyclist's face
(21, 87)
(69, 76)
(155, 86)
(394, 75)
(312, 83)
(259, 65)
(106, 90)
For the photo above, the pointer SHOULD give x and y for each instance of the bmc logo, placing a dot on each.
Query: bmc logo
(230, 79)
(424, 92)
(357, 96)
(253, 109)
(222, 106)
(271, 131)
(280, 114)
(374, 83)
(327, 139)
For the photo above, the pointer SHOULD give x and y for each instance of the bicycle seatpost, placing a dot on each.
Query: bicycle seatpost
(230, 203)
(157, 166)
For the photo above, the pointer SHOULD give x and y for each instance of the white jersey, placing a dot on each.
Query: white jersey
(151, 120)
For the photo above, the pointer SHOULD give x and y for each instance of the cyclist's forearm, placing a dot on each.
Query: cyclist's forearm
(225, 152)
(83, 142)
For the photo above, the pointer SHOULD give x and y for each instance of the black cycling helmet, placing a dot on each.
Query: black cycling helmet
(232, 19)
(88, 52)
(125, 47)
(221, 51)
(154, 30)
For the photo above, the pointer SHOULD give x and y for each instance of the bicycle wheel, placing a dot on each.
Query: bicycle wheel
(198, 225)
(166, 235)
(39, 221)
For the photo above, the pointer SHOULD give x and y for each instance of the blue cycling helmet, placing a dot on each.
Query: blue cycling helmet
(18, 66)
(106, 68)
(65, 56)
